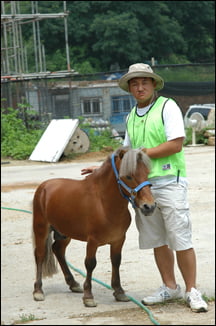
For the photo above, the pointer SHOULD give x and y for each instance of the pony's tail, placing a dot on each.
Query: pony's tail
(49, 266)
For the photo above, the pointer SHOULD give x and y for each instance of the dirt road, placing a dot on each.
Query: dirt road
(138, 272)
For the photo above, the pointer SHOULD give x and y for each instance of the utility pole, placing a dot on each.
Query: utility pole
(66, 38)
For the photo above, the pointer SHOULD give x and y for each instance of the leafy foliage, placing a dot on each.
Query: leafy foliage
(200, 137)
(17, 140)
(100, 140)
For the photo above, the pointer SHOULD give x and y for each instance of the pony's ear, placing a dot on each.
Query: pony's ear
(121, 151)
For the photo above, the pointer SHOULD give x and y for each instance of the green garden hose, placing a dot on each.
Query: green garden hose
(98, 281)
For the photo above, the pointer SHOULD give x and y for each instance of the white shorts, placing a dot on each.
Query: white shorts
(170, 224)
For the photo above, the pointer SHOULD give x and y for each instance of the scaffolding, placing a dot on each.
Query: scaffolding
(14, 58)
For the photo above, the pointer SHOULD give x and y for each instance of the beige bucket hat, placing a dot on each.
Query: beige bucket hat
(140, 70)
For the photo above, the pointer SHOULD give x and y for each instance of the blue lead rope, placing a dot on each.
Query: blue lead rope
(132, 192)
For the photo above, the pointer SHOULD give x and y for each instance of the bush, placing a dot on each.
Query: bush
(200, 137)
(100, 140)
(17, 141)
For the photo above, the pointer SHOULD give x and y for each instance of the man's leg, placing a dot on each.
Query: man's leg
(187, 264)
(164, 258)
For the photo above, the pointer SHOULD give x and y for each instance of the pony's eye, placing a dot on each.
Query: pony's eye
(129, 177)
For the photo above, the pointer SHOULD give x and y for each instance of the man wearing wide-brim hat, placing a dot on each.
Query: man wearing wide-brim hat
(156, 125)
(140, 70)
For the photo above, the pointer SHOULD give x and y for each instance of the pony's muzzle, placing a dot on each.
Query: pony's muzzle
(148, 209)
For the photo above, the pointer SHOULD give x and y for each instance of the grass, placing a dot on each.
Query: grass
(25, 318)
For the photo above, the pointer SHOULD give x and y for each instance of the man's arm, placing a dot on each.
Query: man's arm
(165, 149)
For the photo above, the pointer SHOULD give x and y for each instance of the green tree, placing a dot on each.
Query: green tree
(104, 33)
(197, 19)
(116, 36)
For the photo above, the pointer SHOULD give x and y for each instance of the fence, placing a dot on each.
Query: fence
(67, 94)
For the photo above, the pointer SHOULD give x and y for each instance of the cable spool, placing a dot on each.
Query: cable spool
(79, 143)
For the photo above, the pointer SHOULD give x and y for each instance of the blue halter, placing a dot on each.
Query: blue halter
(132, 192)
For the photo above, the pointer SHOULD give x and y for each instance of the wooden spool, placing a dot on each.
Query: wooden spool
(79, 143)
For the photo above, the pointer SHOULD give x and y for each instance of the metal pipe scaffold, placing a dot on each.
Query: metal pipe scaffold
(14, 52)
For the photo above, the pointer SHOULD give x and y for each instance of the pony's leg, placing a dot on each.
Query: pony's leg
(59, 247)
(115, 255)
(90, 264)
(40, 237)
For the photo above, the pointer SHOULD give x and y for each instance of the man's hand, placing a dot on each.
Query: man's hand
(90, 169)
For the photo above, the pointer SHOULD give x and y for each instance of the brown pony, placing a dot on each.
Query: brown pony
(94, 210)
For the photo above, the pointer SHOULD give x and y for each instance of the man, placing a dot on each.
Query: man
(156, 125)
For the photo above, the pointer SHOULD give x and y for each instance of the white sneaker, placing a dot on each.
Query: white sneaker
(163, 294)
(195, 301)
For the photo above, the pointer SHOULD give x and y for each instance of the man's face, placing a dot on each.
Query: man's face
(142, 88)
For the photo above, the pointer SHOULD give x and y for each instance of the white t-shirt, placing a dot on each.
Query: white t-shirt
(174, 128)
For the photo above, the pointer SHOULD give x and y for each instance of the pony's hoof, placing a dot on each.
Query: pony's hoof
(89, 302)
(38, 296)
(121, 297)
(76, 288)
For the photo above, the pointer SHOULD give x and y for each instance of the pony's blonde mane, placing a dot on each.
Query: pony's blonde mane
(130, 159)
